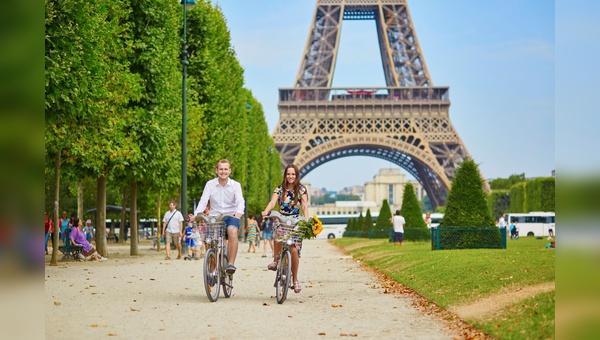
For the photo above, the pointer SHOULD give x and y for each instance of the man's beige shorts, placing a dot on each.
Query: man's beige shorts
(172, 237)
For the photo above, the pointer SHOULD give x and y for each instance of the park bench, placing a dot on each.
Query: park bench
(69, 251)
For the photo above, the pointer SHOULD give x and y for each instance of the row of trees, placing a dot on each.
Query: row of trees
(416, 227)
(466, 208)
(113, 110)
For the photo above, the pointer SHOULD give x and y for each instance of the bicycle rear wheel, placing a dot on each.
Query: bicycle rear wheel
(211, 275)
(284, 273)
(226, 279)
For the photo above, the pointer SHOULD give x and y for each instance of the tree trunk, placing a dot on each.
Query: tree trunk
(158, 224)
(80, 200)
(133, 225)
(123, 216)
(101, 215)
(54, 259)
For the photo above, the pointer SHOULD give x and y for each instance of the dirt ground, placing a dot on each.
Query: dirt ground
(148, 297)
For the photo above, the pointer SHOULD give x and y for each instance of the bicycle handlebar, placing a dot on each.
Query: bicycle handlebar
(286, 220)
(212, 219)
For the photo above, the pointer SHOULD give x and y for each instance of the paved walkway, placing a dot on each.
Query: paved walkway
(148, 297)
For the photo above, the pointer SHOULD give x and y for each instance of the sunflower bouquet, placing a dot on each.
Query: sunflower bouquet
(308, 229)
(313, 227)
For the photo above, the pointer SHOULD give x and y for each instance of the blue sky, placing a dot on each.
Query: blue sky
(497, 57)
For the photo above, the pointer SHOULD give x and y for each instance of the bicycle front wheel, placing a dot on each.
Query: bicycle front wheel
(211, 275)
(226, 278)
(284, 273)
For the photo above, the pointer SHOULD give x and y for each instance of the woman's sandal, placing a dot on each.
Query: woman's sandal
(272, 266)
(297, 287)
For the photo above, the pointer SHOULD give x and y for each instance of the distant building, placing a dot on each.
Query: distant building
(389, 184)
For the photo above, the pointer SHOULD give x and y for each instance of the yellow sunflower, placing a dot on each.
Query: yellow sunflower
(317, 227)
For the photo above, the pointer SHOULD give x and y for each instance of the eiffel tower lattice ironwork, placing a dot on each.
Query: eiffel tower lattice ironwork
(407, 122)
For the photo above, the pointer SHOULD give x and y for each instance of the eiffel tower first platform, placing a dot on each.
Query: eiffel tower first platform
(407, 122)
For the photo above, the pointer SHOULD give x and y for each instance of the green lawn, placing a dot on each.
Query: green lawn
(457, 277)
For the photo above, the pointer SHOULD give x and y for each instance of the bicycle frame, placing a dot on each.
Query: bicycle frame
(215, 258)
(288, 233)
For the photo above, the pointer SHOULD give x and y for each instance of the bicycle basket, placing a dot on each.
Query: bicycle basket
(283, 234)
(214, 231)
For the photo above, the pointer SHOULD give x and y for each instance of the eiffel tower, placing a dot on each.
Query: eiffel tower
(407, 122)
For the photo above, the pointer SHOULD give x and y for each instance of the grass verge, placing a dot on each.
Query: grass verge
(452, 278)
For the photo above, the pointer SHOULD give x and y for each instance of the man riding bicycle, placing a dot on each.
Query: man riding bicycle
(225, 197)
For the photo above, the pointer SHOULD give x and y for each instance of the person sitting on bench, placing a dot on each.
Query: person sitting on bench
(88, 252)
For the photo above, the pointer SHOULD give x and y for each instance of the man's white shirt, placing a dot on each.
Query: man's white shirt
(398, 222)
(173, 225)
(226, 199)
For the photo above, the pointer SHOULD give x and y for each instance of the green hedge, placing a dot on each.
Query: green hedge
(548, 194)
(498, 203)
(417, 234)
(517, 198)
(533, 195)
(467, 238)
(410, 234)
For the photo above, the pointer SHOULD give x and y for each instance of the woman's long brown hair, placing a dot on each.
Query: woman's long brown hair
(295, 185)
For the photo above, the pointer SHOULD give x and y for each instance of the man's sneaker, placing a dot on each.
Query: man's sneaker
(231, 269)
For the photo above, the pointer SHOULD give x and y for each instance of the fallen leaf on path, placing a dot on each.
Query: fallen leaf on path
(94, 325)
(322, 333)
(265, 304)
(111, 334)
(334, 305)
(134, 309)
(56, 303)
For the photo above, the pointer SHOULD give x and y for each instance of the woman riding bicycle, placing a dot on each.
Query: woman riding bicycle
(292, 197)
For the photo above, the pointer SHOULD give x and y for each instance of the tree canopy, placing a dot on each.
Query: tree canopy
(114, 101)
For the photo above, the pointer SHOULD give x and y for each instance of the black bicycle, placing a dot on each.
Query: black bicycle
(215, 259)
(288, 233)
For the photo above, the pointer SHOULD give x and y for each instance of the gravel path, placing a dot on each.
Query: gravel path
(150, 298)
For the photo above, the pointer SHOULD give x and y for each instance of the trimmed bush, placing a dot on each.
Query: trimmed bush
(467, 208)
(411, 209)
(368, 224)
(385, 214)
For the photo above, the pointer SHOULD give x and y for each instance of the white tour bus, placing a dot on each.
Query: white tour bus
(333, 226)
(534, 223)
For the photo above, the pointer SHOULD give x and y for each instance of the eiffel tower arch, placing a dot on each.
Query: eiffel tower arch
(406, 122)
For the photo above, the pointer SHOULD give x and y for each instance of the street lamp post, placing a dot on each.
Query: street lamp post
(187, 4)
(269, 165)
